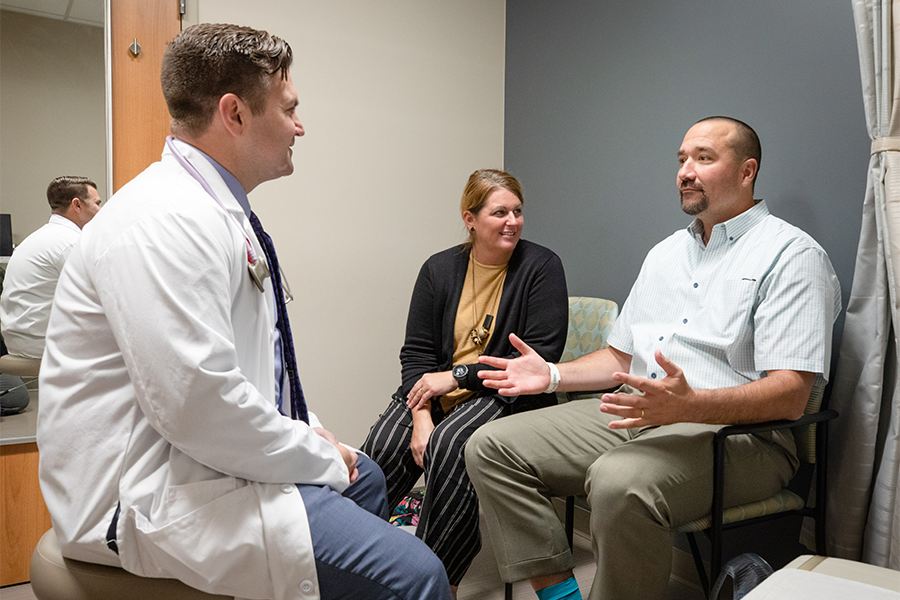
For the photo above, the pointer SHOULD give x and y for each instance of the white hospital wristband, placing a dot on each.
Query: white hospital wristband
(554, 379)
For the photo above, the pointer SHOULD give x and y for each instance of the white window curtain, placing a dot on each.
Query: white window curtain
(864, 454)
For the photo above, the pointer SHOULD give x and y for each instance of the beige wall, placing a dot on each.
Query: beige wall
(401, 101)
(52, 116)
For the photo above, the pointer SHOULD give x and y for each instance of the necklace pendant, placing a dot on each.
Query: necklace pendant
(479, 338)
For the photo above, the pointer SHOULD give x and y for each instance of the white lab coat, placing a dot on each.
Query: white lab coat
(157, 393)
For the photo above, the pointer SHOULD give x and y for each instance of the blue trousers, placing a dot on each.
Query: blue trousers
(359, 555)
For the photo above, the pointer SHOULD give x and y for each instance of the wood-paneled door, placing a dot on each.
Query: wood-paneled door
(140, 120)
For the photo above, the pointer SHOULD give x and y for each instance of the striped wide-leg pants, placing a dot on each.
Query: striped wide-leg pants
(448, 521)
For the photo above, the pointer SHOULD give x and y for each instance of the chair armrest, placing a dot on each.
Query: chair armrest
(823, 415)
(723, 434)
(820, 418)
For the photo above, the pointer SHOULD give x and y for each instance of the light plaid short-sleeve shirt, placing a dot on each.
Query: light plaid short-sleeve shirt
(761, 295)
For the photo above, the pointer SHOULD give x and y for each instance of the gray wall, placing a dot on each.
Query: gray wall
(599, 95)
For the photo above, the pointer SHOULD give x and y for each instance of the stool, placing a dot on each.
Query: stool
(20, 366)
(56, 578)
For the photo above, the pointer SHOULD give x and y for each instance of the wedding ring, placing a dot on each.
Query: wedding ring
(642, 413)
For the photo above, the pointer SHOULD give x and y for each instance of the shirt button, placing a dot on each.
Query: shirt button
(287, 488)
(661, 338)
(306, 586)
(696, 284)
(684, 320)
(652, 375)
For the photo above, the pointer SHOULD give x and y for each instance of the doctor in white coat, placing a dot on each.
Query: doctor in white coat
(163, 449)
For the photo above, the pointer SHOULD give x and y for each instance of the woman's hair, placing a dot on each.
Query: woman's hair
(483, 183)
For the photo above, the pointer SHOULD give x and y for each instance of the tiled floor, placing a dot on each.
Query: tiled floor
(482, 582)
(17, 592)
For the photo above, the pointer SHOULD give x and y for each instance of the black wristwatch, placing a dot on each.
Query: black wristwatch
(460, 372)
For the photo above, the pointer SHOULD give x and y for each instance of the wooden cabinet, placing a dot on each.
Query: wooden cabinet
(23, 516)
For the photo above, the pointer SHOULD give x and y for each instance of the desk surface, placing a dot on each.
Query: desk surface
(20, 428)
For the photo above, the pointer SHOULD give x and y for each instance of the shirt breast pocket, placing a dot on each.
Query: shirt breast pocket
(729, 311)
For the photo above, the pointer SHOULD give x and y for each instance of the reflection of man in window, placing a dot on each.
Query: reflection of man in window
(34, 268)
(13, 395)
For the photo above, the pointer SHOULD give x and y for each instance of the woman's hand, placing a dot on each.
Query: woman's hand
(430, 385)
(422, 428)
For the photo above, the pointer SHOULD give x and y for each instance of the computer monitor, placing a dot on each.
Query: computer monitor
(6, 244)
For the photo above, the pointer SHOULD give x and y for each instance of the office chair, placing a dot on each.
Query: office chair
(811, 435)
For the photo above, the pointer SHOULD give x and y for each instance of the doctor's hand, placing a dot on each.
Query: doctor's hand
(350, 457)
(430, 385)
(527, 374)
(664, 401)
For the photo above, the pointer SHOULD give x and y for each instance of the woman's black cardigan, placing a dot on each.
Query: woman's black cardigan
(534, 306)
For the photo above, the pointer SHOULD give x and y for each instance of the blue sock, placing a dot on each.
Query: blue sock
(564, 590)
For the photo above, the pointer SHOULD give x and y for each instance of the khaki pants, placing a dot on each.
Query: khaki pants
(641, 484)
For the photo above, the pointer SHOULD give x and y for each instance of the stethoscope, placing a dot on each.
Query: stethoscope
(259, 270)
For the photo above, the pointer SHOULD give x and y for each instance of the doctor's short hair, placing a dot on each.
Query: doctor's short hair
(63, 190)
(206, 61)
(482, 183)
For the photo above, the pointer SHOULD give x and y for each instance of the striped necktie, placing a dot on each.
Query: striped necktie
(282, 323)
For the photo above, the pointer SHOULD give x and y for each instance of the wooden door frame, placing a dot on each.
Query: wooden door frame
(137, 117)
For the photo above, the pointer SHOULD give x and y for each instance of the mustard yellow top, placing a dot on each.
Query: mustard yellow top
(480, 297)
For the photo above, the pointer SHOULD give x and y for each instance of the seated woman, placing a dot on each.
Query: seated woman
(466, 302)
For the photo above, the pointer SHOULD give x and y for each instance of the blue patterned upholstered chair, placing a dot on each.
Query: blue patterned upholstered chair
(590, 323)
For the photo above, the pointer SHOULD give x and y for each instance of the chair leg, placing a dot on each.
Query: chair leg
(698, 562)
(821, 484)
(715, 555)
(570, 520)
(718, 507)
(508, 592)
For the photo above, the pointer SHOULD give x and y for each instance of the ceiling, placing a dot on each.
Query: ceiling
(86, 12)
